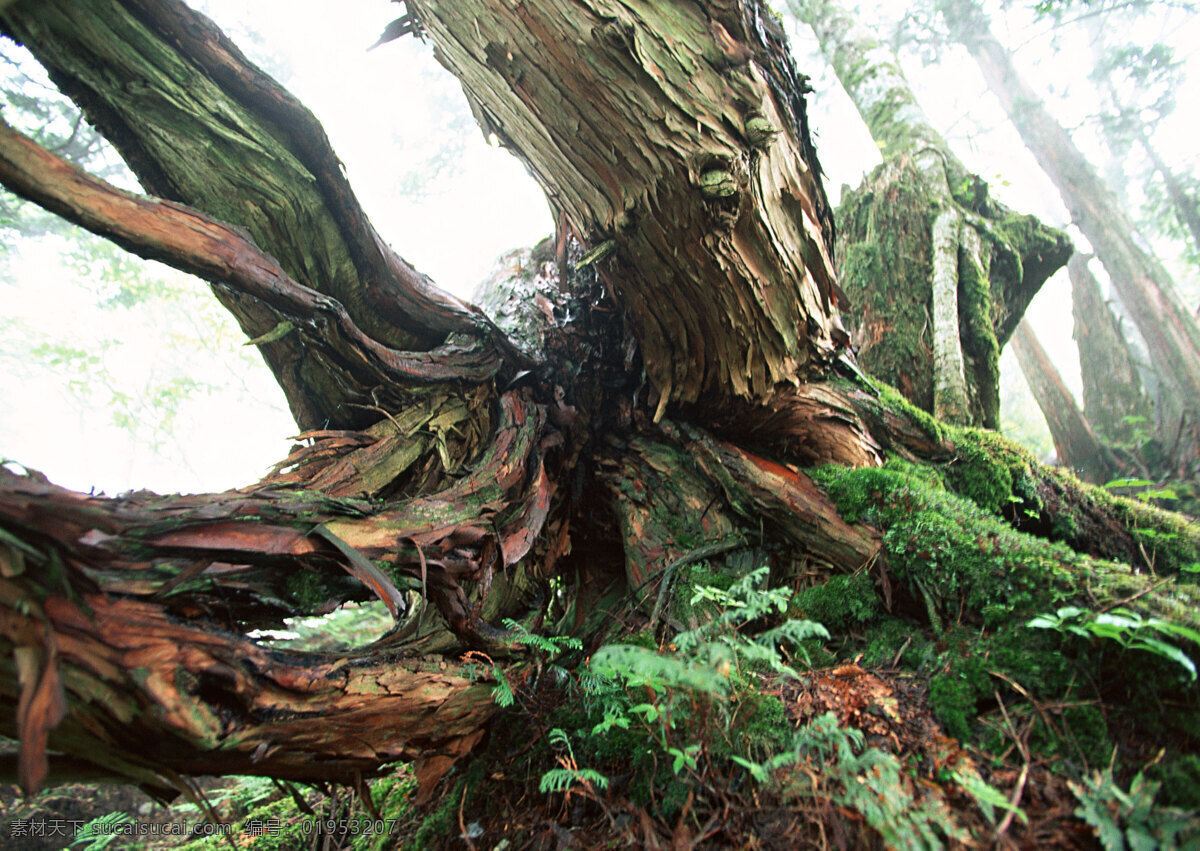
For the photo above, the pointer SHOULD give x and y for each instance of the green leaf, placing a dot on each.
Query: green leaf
(1175, 629)
(1167, 651)
(647, 709)
(757, 770)
(986, 796)
(1128, 483)
(502, 693)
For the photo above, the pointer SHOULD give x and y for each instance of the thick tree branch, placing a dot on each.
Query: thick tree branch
(200, 125)
(224, 255)
(126, 608)
(250, 557)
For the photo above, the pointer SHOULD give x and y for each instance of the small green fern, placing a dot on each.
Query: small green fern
(569, 775)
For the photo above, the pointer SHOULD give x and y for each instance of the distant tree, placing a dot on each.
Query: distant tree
(937, 273)
(1145, 288)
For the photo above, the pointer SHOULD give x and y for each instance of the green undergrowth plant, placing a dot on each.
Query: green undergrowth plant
(685, 712)
(266, 815)
(1126, 628)
(1132, 819)
(871, 783)
(698, 722)
(974, 584)
(545, 651)
(99, 833)
(569, 774)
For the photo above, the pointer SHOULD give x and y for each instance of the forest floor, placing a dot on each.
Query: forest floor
(495, 803)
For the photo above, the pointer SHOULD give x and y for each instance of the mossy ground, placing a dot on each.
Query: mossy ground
(969, 584)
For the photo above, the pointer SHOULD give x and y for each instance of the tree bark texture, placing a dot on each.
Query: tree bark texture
(1144, 286)
(688, 169)
(1077, 446)
(963, 267)
(441, 477)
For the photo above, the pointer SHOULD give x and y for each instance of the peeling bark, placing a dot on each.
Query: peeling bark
(687, 169)
(138, 607)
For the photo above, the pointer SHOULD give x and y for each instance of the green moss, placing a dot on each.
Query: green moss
(814, 653)
(1025, 252)
(885, 234)
(978, 582)
(892, 635)
(277, 826)
(1179, 775)
(392, 796)
(1084, 736)
(971, 668)
(1171, 541)
(953, 700)
(979, 344)
(953, 557)
(841, 603)
(994, 473)
(765, 728)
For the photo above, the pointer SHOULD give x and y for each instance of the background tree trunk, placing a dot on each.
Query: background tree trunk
(961, 268)
(1144, 286)
(1112, 387)
(1077, 446)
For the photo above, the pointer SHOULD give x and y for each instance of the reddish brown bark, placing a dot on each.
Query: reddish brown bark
(471, 487)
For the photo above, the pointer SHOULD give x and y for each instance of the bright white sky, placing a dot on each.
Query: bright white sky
(389, 112)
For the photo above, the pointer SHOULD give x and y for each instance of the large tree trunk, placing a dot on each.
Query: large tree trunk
(961, 268)
(1145, 288)
(688, 170)
(671, 138)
